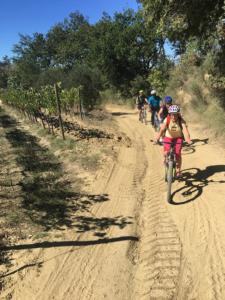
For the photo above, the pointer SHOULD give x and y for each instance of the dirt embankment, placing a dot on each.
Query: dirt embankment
(125, 241)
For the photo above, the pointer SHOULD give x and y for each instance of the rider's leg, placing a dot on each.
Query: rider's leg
(152, 116)
(178, 166)
(139, 109)
(178, 148)
(166, 146)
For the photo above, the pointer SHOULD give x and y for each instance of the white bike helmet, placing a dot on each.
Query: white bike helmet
(174, 109)
(153, 92)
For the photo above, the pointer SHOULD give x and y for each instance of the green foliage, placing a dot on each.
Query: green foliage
(157, 78)
(91, 82)
(183, 20)
(69, 98)
(50, 77)
(124, 48)
(5, 66)
(110, 95)
(33, 101)
(116, 49)
(140, 83)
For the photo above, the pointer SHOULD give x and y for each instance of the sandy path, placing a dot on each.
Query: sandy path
(181, 247)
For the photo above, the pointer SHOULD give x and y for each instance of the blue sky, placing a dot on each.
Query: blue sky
(29, 16)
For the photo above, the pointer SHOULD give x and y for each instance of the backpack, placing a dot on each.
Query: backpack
(154, 102)
(164, 113)
(140, 100)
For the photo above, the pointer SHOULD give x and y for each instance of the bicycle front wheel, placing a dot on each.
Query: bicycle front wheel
(169, 180)
(142, 117)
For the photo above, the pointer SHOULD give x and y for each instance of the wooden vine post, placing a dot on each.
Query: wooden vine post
(59, 110)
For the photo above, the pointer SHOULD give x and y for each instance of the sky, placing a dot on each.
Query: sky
(29, 16)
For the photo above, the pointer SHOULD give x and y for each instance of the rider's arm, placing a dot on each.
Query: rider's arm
(160, 112)
(186, 133)
(161, 131)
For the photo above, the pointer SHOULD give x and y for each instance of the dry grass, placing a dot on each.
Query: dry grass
(190, 90)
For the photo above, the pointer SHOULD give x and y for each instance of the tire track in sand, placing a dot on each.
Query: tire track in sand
(160, 266)
(95, 272)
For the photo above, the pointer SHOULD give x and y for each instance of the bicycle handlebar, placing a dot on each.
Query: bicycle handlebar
(171, 143)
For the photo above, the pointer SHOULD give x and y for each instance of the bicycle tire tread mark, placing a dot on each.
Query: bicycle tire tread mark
(161, 266)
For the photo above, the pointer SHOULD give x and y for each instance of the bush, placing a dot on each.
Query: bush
(140, 83)
(90, 80)
(157, 79)
(114, 96)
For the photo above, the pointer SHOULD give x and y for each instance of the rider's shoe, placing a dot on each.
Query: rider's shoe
(178, 175)
(161, 141)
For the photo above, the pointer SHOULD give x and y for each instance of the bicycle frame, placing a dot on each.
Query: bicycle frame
(171, 156)
(143, 115)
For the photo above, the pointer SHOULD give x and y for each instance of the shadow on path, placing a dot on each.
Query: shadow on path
(123, 113)
(189, 149)
(47, 197)
(59, 244)
(69, 243)
(195, 180)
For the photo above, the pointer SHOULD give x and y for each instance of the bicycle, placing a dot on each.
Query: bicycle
(143, 115)
(156, 123)
(170, 165)
(170, 168)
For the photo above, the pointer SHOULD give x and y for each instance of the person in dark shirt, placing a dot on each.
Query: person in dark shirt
(163, 112)
(141, 101)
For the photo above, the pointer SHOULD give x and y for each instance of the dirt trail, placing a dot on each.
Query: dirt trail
(179, 253)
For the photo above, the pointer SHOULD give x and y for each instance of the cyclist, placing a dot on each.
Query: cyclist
(175, 129)
(140, 102)
(154, 102)
(163, 112)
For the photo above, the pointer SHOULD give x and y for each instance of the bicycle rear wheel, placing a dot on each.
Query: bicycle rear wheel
(145, 117)
(169, 180)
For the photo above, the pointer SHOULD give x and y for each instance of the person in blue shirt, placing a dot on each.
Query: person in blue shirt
(154, 102)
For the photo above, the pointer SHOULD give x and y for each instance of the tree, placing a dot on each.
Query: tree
(69, 41)
(183, 20)
(122, 48)
(31, 58)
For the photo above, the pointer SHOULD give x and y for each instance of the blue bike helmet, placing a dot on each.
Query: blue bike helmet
(168, 100)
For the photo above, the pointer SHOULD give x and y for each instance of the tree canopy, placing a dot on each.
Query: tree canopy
(180, 21)
(119, 47)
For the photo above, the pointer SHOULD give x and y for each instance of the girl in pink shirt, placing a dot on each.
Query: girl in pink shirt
(175, 129)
